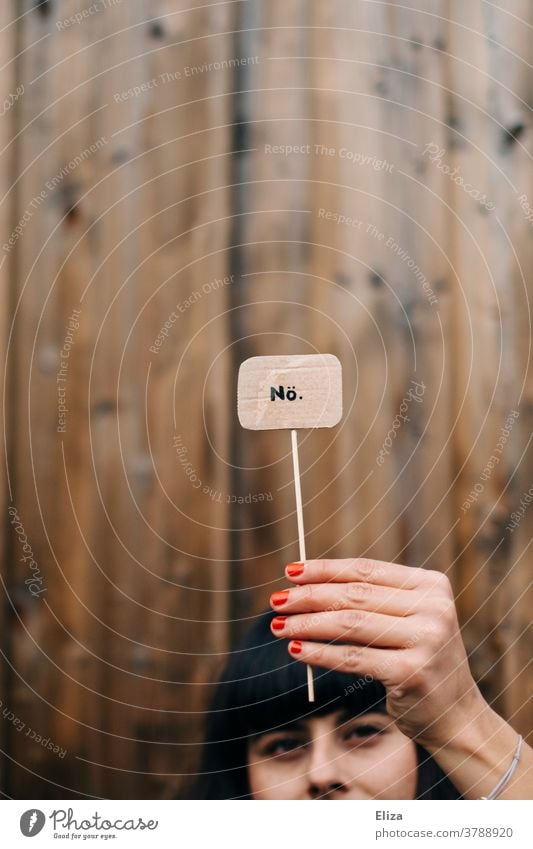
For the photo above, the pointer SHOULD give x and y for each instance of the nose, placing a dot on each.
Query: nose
(324, 771)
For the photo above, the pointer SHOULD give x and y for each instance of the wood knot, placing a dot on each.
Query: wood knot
(72, 214)
(156, 30)
(375, 279)
(104, 408)
(44, 7)
(512, 134)
(342, 279)
(439, 44)
(119, 156)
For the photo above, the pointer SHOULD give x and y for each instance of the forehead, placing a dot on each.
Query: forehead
(325, 722)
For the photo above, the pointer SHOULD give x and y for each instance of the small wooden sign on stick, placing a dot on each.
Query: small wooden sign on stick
(291, 393)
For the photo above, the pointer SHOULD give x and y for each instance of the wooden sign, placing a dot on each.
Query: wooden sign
(290, 392)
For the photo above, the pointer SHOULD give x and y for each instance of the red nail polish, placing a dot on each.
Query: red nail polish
(295, 646)
(278, 623)
(277, 599)
(295, 569)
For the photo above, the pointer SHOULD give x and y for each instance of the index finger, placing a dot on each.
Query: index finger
(359, 569)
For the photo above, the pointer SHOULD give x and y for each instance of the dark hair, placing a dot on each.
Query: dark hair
(262, 689)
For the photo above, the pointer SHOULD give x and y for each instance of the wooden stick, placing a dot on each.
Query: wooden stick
(301, 537)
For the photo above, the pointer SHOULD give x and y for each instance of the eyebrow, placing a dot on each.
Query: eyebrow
(343, 716)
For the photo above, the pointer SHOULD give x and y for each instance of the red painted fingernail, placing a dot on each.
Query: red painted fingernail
(277, 599)
(278, 623)
(295, 646)
(295, 569)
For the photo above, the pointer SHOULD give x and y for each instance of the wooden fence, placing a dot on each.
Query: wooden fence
(187, 184)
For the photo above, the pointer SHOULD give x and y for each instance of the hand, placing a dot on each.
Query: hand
(395, 623)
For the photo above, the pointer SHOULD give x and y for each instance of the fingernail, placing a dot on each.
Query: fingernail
(278, 623)
(295, 569)
(277, 599)
(295, 647)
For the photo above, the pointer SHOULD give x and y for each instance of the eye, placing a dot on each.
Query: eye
(363, 732)
(281, 746)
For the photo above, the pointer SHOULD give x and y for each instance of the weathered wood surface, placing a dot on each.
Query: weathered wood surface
(418, 282)
(197, 212)
(110, 660)
(9, 97)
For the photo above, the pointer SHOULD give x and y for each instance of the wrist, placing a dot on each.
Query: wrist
(476, 750)
(461, 725)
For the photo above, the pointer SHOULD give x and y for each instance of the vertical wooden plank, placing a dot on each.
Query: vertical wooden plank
(475, 363)
(9, 97)
(422, 274)
(269, 302)
(490, 106)
(386, 260)
(349, 131)
(34, 266)
(509, 257)
(56, 645)
(160, 397)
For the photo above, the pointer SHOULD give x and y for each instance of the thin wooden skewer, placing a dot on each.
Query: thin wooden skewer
(301, 537)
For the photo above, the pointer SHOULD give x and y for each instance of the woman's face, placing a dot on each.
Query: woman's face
(337, 756)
